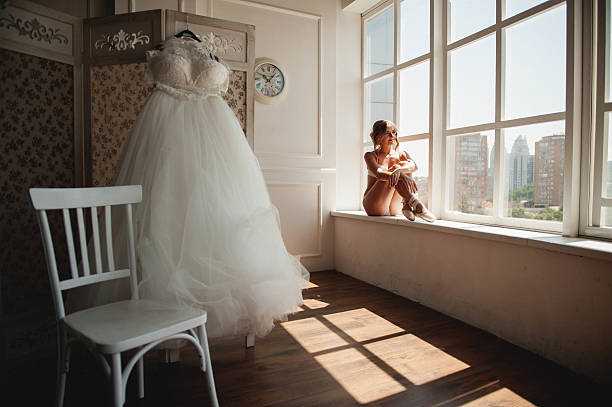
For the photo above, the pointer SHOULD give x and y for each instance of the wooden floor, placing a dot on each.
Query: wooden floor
(351, 344)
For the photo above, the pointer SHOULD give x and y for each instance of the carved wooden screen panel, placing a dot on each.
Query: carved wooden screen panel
(235, 44)
(40, 147)
(115, 89)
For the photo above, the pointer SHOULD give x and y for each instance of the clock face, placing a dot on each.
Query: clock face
(269, 80)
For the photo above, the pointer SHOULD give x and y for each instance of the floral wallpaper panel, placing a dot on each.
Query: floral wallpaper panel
(118, 93)
(36, 150)
(236, 96)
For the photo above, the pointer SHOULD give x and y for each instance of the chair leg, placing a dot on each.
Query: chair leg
(250, 341)
(140, 378)
(62, 366)
(210, 380)
(116, 380)
(63, 356)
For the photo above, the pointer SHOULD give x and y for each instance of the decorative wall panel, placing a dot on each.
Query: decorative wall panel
(299, 206)
(32, 29)
(121, 38)
(236, 97)
(118, 93)
(36, 150)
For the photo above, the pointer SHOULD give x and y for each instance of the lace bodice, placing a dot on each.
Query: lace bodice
(185, 69)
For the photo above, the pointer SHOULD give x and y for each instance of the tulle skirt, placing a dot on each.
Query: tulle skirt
(207, 234)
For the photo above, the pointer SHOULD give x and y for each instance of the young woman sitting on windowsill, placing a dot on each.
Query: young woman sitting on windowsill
(391, 188)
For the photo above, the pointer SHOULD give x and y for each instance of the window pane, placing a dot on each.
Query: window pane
(379, 102)
(533, 168)
(414, 99)
(607, 159)
(419, 152)
(469, 16)
(472, 83)
(414, 29)
(606, 217)
(379, 43)
(470, 172)
(534, 75)
(513, 7)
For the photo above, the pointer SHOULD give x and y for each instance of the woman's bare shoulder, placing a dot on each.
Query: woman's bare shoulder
(369, 154)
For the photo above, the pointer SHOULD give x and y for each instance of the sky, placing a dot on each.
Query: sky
(534, 70)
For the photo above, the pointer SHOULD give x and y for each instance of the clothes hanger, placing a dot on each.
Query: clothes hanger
(187, 33)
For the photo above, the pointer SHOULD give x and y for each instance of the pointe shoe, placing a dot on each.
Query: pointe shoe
(426, 215)
(409, 214)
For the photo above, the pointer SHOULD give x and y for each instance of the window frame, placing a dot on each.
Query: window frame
(499, 124)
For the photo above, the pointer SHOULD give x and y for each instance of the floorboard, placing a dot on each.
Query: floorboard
(351, 344)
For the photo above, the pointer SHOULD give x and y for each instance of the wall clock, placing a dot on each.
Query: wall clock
(271, 81)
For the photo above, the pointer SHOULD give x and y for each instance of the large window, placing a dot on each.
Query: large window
(396, 77)
(502, 97)
(506, 98)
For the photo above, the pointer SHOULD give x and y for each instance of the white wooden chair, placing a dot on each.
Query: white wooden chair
(113, 328)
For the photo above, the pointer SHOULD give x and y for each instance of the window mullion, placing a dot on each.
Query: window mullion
(498, 186)
(437, 107)
(589, 51)
(573, 105)
(396, 40)
(600, 122)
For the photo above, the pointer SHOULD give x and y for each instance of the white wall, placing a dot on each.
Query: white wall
(295, 141)
(554, 304)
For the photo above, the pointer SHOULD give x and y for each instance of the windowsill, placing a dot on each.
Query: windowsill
(576, 246)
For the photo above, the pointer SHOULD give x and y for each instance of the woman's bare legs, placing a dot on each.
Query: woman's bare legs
(382, 199)
(396, 205)
(377, 199)
(406, 189)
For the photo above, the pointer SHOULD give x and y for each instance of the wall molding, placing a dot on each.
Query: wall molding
(279, 9)
(308, 16)
(319, 185)
(122, 41)
(32, 29)
(299, 170)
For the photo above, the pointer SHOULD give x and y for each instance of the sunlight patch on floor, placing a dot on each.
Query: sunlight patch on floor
(361, 378)
(313, 335)
(503, 397)
(314, 304)
(310, 285)
(415, 359)
(362, 324)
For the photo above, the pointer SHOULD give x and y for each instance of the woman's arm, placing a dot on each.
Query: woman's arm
(374, 168)
(406, 164)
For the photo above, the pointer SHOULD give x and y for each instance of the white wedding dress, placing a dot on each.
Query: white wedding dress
(207, 234)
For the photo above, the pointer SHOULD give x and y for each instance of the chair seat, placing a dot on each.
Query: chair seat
(124, 325)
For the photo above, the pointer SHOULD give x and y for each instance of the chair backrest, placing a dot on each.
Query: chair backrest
(78, 199)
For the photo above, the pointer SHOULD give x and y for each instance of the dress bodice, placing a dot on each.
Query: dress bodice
(187, 69)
